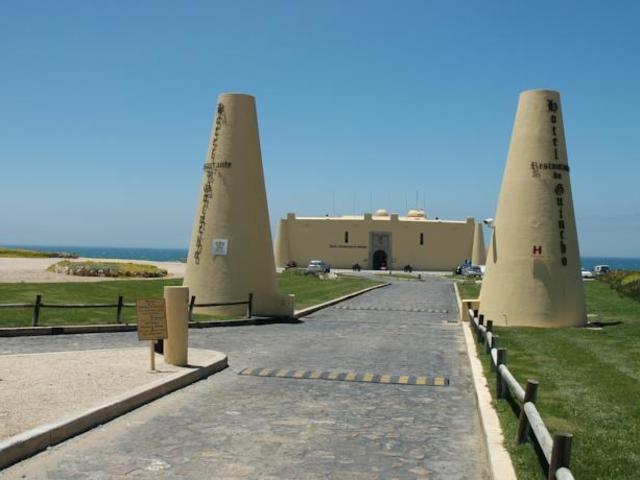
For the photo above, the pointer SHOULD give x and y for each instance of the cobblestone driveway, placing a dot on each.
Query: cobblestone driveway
(237, 427)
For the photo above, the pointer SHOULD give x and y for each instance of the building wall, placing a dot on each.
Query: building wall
(445, 243)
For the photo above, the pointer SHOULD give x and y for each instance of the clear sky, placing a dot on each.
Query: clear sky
(106, 108)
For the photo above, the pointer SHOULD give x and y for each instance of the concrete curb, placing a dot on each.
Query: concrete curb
(499, 459)
(27, 444)
(309, 310)
(456, 290)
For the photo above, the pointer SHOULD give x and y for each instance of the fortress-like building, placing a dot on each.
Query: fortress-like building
(375, 241)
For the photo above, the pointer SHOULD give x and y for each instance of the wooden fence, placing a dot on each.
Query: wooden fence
(556, 449)
(119, 306)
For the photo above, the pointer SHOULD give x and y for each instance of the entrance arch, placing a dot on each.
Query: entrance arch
(379, 259)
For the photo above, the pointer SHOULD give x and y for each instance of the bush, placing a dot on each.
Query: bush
(107, 269)
(625, 283)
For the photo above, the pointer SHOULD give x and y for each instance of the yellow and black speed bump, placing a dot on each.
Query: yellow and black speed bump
(346, 376)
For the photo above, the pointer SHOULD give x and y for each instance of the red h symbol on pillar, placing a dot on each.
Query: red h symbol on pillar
(537, 249)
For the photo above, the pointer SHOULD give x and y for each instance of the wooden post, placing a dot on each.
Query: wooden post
(36, 310)
(495, 341)
(502, 360)
(191, 303)
(152, 353)
(250, 306)
(480, 322)
(486, 342)
(530, 395)
(560, 453)
(119, 311)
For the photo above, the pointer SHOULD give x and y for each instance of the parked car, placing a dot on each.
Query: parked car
(318, 266)
(602, 269)
(586, 273)
(472, 271)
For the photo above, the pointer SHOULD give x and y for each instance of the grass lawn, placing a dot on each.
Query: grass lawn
(468, 288)
(589, 386)
(309, 290)
(22, 253)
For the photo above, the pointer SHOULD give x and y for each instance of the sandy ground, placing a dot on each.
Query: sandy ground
(34, 270)
(43, 387)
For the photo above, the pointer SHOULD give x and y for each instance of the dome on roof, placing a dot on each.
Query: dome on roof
(416, 213)
(381, 212)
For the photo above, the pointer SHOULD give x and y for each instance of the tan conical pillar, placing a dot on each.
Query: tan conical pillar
(478, 254)
(231, 252)
(533, 266)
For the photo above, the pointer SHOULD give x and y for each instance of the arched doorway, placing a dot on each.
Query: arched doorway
(379, 260)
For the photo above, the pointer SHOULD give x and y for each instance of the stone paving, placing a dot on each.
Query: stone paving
(240, 427)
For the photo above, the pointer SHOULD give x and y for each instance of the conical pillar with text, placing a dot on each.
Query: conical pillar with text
(533, 264)
(231, 251)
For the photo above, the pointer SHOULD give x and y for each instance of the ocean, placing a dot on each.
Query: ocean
(179, 254)
(128, 253)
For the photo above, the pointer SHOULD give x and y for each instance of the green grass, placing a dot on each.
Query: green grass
(22, 253)
(309, 290)
(468, 288)
(589, 386)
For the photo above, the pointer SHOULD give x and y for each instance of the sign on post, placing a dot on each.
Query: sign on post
(152, 323)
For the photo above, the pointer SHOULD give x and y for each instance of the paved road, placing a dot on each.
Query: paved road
(237, 427)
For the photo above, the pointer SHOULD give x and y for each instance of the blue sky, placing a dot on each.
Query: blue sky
(106, 107)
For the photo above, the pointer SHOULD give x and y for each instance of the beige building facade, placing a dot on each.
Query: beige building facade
(375, 241)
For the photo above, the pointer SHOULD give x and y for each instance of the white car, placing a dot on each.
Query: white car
(587, 273)
(318, 266)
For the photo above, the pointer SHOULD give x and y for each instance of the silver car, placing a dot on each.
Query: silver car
(318, 266)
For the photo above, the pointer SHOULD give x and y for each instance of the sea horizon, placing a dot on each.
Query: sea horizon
(160, 254)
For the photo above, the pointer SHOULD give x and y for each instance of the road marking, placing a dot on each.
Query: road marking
(346, 376)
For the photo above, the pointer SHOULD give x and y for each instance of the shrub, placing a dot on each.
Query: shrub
(107, 269)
